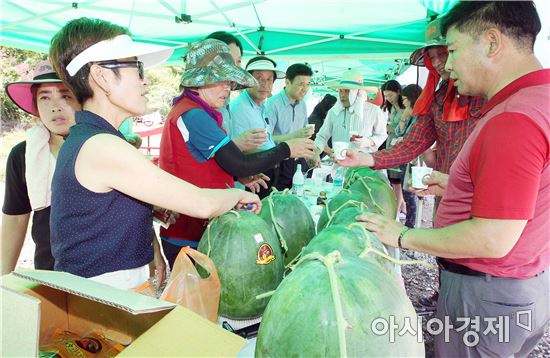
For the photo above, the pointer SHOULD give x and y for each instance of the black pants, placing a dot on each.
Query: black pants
(410, 201)
(286, 172)
(171, 251)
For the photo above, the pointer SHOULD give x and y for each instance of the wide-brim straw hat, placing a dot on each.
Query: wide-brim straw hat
(433, 38)
(351, 79)
(20, 92)
(209, 61)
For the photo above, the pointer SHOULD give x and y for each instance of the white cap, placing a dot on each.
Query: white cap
(264, 65)
(121, 46)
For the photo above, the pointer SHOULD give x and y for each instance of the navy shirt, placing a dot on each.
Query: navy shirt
(95, 233)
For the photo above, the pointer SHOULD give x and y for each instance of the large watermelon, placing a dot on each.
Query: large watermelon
(350, 240)
(352, 174)
(377, 195)
(338, 202)
(334, 306)
(347, 215)
(291, 221)
(248, 259)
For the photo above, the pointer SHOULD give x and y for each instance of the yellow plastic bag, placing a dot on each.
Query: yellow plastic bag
(187, 288)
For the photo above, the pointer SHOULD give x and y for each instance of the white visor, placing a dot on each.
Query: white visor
(121, 46)
(265, 65)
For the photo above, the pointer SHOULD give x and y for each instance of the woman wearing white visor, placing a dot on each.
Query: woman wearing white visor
(103, 188)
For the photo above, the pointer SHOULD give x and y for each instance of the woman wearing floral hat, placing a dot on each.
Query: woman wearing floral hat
(196, 148)
(30, 165)
(103, 188)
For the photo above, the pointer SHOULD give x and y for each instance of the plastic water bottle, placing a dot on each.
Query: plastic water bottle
(338, 180)
(298, 181)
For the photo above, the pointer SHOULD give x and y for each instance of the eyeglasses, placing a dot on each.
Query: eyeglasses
(117, 64)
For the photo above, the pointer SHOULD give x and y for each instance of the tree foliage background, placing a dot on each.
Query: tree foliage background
(16, 65)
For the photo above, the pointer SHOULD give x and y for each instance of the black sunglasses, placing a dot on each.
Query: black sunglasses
(117, 64)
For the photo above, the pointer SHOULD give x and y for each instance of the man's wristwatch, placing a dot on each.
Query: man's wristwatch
(403, 232)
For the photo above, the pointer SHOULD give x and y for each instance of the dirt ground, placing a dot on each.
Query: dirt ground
(422, 282)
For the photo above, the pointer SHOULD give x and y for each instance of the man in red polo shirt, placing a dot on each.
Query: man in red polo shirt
(492, 226)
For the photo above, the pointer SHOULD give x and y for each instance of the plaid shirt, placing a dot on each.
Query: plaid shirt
(427, 129)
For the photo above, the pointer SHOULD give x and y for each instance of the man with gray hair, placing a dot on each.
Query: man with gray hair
(249, 115)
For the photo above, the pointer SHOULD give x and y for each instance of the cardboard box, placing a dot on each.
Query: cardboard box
(35, 302)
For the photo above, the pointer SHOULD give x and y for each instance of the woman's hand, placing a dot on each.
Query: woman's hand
(254, 182)
(158, 264)
(301, 147)
(249, 201)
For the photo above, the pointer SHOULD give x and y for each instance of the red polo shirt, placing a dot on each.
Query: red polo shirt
(502, 173)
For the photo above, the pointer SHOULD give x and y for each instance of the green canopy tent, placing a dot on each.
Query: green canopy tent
(375, 36)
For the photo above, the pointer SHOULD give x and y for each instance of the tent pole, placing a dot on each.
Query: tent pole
(232, 24)
(373, 39)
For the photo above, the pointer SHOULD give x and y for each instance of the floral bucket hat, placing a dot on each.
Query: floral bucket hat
(209, 61)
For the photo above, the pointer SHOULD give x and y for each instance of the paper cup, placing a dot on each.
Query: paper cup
(418, 173)
(340, 149)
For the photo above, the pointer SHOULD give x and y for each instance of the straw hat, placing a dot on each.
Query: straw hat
(433, 38)
(209, 61)
(351, 79)
(20, 92)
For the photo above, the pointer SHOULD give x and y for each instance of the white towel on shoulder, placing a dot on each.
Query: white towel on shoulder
(357, 98)
(39, 167)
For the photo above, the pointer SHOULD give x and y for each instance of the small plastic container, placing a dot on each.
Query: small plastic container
(322, 198)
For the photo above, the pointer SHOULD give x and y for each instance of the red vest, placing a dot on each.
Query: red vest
(176, 159)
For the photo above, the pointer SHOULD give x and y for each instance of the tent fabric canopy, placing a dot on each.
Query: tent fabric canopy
(374, 36)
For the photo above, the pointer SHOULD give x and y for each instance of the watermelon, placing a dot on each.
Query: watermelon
(290, 220)
(338, 202)
(334, 306)
(347, 215)
(352, 174)
(248, 259)
(350, 240)
(377, 195)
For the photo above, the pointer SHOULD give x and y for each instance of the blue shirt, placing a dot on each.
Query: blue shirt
(202, 134)
(246, 115)
(95, 233)
(283, 116)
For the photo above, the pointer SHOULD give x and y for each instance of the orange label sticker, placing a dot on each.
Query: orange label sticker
(265, 255)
